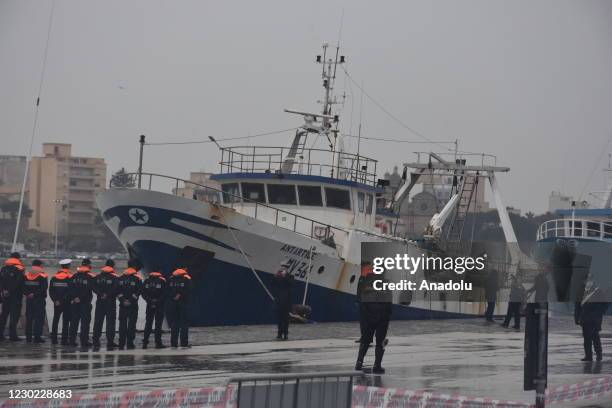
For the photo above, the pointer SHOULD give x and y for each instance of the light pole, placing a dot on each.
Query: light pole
(57, 202)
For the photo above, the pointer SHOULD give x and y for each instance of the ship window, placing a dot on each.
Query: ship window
(607, 230)
(253, 192)
(577, 228)
(560, 226)
(281, 194)
(361, 201)
(310, 195)
(338, 198)
(369, 202)
(230, 193)
(593, 229)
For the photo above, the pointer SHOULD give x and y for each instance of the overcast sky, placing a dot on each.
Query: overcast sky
(528, 81)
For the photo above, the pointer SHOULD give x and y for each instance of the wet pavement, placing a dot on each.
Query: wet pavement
(466, 357)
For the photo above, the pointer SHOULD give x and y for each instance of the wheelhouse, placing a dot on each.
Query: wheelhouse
(343, 194)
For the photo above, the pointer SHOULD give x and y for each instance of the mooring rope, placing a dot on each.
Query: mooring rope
(263, 285)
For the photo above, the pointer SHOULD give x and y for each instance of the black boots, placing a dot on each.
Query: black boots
(363, 349)
(379, 351)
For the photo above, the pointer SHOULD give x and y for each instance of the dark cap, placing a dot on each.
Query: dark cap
(15, 255)
(134, 263)
(86, 262)
(110, 262)
(37, 262)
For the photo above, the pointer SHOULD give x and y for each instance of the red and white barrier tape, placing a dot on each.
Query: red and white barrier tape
(375, 397)
(363, 397)
(581, 391)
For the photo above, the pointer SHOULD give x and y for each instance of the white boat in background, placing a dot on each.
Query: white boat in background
(313, 207)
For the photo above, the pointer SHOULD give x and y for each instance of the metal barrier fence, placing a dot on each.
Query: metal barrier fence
(321, 390)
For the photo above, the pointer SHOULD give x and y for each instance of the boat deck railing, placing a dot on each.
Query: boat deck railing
(309, 227)
(575, 228)
(304, 161)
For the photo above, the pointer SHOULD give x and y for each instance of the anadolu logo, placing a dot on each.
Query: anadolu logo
(138, 215)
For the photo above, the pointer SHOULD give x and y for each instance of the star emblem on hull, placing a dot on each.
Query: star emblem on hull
(139, 216)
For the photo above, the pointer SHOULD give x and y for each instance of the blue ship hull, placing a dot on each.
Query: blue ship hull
(228, 294)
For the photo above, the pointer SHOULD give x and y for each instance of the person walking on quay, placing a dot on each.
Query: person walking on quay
(366, 269)
(35, 291)
(589, 314)
(130, 286)
(81, 287)
(517, 296)
(59, 292)
(179, 286)
(282, 283)
(11, 289)
(106, 287)
(491, 287)
(377, 310)
(154, 291)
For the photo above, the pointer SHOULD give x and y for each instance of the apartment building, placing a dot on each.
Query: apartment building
(62, 190)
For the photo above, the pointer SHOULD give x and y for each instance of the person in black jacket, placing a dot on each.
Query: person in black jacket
(366, 269)
(589, 314)
(179, 290)
(282, 283)
(105, 286)
(35, 291)
(130, 286)
(491, 287)
(377, 309)
(81, 295)
(154, 291)
(517, 296)
(59, 292)
(11, 290)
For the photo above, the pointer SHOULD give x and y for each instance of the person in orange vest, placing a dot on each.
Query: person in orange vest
(106, 287)
(11, 287)
(81, 286)
(35, 291)
(130, 286)
(59, 292)
(179, 286)
(154, 291)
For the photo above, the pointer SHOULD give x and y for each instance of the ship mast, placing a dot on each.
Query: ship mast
(327, 119)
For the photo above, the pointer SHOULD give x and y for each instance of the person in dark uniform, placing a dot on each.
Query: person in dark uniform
(491, 287)
(154, 291)
(282, 283)
(179, 290)
(59, 292)
(590, 313)
(106, 287)
(35, 291)
(366, 269)
(81, 287)
(377, 309)
(130, 286)
(11, 284)
(517, 295)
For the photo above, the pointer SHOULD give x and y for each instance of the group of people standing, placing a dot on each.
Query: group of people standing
(72, 295)
(588, 311)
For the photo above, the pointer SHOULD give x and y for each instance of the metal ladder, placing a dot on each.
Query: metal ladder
(297, 148)
(468, 187)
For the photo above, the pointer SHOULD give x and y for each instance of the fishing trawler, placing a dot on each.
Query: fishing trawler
(306, 206)
(578, 248)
